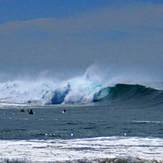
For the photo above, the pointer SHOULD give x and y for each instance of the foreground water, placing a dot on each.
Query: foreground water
(102, 149)
(75, 133)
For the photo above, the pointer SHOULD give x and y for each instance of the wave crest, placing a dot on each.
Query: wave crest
(80, 90)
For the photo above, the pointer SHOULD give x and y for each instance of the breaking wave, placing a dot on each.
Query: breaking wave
(80, 90)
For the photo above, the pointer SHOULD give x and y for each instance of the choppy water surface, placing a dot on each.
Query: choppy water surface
(81, 122)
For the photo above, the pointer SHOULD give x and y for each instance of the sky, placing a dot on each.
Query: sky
(67, 36)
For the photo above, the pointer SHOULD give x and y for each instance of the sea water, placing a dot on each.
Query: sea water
(75, 133)
(80, 120)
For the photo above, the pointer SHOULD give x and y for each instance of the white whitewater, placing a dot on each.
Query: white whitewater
(77, 90)
(41, 92)
(87, 149)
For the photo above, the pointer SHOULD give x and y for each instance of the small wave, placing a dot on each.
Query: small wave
(148, 122)
(107, 149)
(100, 160)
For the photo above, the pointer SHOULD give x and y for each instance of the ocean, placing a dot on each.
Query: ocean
(80, 121)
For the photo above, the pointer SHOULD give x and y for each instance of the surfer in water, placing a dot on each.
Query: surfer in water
(30, 111)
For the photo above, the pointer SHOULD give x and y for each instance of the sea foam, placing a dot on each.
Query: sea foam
(128, 149)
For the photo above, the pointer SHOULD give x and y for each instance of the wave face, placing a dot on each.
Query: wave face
(80, 90)
(129, 93)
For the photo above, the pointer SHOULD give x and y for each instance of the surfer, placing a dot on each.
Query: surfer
(30, 111)
(64, 111)
(22, 110)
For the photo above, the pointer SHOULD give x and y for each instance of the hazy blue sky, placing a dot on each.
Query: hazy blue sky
(11, 10)
(59, 35)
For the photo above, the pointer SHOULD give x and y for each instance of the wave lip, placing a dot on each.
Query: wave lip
(131, 149)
